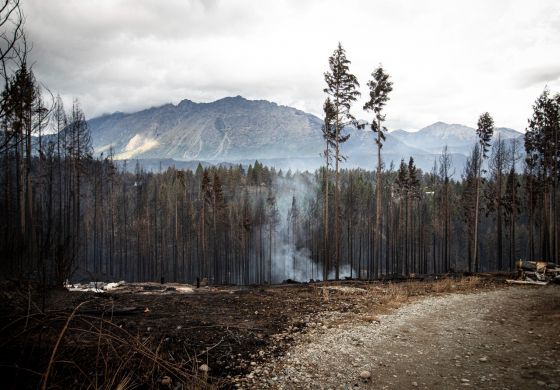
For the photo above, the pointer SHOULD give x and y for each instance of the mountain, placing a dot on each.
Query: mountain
(239, 131)
(458, 138)
(227, 129)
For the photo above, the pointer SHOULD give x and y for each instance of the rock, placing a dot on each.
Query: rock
(365, 375)
(464, 380)
(166, 381)
(415, 384)
(204, 368)
(483, 359)
(541, 383)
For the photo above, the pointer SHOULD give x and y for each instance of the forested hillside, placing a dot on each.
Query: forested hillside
(70, 214)
(90, 220)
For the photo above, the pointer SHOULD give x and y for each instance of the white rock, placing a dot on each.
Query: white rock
(166, 381)
(204, 368)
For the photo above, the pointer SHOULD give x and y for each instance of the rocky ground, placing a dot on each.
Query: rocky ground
(498, 339)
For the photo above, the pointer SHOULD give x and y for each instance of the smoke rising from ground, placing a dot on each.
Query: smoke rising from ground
(291, 259)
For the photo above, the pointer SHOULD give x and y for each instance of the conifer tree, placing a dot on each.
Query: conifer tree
(342, 87)
(273, 218)
(484, 130)
(329, 134)
(468, 199)
(543, 161)
(379, 87)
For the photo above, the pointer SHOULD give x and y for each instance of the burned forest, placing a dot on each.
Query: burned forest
(125, 266)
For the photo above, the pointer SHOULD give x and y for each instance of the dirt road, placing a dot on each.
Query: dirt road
(498, 339)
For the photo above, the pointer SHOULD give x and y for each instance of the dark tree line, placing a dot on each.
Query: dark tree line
(68, 214)
(255, 225)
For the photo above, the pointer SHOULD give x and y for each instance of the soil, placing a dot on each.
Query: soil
(450, 333)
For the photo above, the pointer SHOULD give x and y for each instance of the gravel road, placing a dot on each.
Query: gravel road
(499, 339)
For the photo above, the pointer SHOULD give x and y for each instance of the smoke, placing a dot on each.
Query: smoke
(290, 262)
(291, 258)
(345, 271)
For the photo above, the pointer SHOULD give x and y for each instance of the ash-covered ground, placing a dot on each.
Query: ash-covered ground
(445, 333)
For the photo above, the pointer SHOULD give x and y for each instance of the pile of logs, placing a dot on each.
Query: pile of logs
(536, 272)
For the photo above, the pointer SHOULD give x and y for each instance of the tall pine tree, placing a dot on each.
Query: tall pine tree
(379, 89)
(342, 88)
(484, 130)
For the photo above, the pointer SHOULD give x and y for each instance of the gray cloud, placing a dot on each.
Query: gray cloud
(448, 60)
(539, 76)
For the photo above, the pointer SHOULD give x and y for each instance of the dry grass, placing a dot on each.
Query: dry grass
(383, 298)
(325, 293)
(94, 353)
(394, 295)
(447, 285)
(443, 285)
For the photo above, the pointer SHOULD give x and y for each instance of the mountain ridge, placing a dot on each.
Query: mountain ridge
(238, 129)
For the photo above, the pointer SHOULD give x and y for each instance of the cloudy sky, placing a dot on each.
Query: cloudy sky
(449, 60)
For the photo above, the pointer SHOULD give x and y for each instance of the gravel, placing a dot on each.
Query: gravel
(480, 340)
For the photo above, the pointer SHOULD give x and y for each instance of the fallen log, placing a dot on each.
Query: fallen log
(536, 282)
(531, 265)
(122, 311)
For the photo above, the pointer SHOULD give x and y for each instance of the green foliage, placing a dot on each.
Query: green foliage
(341, 86)
(379, 88)
(542, 142)
(485, 130)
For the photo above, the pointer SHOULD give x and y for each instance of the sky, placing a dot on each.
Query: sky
(449, 60)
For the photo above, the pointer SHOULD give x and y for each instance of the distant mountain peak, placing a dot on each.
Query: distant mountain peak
(238, 98)
(458, 138)
(235, 128)
(229, 128)
(185, 102)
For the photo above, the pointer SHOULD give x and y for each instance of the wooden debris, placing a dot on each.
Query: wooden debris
(536, 282)
(122, 311)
